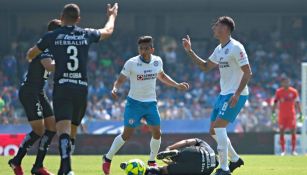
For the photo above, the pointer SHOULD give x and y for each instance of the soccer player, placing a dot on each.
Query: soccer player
(38, 110)
(186, 157)
(142, 71)
(287, 99)
(69, 46)
(235, 73)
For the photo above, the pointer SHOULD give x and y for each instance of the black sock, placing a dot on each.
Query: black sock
(153, 171)
(43, 148)
(64, 147)
(27, 142)
(72, 141)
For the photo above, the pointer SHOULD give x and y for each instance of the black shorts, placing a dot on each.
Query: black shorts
(189, 161)
(69, 104)
(35, 102)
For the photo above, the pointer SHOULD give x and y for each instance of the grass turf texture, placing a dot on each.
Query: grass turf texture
(91, 165)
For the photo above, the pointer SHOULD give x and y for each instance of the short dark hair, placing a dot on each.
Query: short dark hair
(54, 24)
(71, 12)
(145, 39)
(228, 21)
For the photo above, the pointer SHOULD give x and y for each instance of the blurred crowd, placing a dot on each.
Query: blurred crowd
(271, 57)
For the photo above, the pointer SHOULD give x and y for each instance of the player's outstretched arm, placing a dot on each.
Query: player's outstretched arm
(117, 84)
(202, 64)
(182, 144)
(108, 29)
(33, 52)
(164, 78)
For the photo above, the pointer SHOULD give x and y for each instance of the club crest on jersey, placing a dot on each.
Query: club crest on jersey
(156, 63)
(139, 64)
(226, 51)
(221, 59)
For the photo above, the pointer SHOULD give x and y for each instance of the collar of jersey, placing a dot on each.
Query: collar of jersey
(143, 60)
(70, 26)
(223, 46)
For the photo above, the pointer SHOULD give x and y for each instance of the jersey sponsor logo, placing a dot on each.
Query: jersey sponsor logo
(223, 64)
(67, 80)
(65, 39)
(146, 77)
(156, 63)
(139, 64)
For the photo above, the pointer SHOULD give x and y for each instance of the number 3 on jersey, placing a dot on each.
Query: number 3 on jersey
(72, 66)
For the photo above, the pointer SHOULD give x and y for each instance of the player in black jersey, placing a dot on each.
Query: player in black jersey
(69, 46)
(186, 157)
(37, 109)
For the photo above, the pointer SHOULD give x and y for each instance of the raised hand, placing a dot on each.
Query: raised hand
(186, 42)
(112, 10)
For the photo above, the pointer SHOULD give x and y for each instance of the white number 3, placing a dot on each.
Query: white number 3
(74, 51)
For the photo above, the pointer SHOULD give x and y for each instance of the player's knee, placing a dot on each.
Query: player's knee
(126, 136)
(212, 131)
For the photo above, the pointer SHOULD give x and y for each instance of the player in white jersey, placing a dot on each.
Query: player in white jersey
(142, 71)
(235, 72)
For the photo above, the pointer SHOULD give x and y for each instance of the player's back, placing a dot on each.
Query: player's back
(37, 74)
(69, 46)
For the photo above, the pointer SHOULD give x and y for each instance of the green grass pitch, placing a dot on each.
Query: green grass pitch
(91, 165)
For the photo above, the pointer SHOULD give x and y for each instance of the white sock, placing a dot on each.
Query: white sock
(154, 148)
(116, 145)
(222, 147)
(232, 154)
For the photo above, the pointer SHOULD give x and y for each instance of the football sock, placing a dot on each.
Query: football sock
(282, 142)
(116, 145)
(154, 148)
(43, 147)
(232, 154)
(222, 147)
(28, 141)
(64, 147)
(293, 141)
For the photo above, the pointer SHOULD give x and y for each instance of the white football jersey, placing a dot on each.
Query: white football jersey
(230, 58)
(143, 77)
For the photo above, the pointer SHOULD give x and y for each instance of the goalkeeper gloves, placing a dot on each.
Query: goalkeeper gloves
(273, 117)
(301, 118)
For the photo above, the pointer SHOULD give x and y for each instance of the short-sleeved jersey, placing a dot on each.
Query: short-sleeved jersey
(143, 77)
(230, 59)
(69, 46)
(286, 99)
(37, 74)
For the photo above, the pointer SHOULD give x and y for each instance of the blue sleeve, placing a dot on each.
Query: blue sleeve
(45, 54)
(44, 42)
(93, 34)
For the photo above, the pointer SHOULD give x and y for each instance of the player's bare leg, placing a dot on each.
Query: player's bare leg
(37, 131)
(293, 141)
(73, 135)
(282, 141)
(222, 145)
(50, 131)
(155, 143)
(63, 130)
(118, 142)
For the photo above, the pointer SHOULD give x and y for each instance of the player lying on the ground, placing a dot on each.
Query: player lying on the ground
(143, 71)
(38, 110)
(186, 157)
